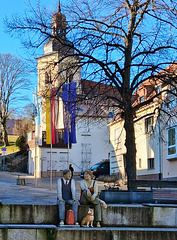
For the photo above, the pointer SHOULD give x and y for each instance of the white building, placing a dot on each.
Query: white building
(155, 127)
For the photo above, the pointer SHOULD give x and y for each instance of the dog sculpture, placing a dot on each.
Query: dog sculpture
(88, 220)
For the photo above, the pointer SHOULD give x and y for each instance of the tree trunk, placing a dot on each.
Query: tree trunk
(127, 95)
(130, 146)
(6, 141)
(5, 135)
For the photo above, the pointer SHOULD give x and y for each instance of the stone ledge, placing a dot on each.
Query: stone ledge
(91, 233)
(130, 215)
(26, 226)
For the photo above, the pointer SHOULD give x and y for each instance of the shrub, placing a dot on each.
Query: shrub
(21, 143)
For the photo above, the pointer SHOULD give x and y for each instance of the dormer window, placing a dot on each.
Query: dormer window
(117, 134)
(142, 99)
(159, 89)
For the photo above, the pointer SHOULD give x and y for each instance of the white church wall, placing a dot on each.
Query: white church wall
(91, 147)
(92, 143)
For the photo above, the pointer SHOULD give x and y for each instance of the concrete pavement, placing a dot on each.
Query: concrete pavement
(11, 193)
(36, 191)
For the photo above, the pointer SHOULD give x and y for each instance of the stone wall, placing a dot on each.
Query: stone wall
(119, 222)
(114, 216)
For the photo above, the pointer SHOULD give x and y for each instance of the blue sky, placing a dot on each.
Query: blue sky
(12, 7)
(12, 45)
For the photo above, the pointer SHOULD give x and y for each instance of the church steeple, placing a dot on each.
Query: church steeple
(58, 41)
(59, 23)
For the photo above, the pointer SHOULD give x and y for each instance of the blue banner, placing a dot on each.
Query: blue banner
(38, 118)
(69, 101)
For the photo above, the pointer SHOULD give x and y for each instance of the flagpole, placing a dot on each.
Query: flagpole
(35, 165)
(35, 150)
(51, 109)
(68, 159)
(68, 155)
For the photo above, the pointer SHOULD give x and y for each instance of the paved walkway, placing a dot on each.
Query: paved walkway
(35, 192)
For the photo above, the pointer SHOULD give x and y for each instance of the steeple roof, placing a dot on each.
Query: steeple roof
(59, 41)
(59, 23)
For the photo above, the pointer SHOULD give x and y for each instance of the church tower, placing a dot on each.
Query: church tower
(58, 63)
(56, 66)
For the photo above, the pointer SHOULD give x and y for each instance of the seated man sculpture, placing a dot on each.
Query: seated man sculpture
(89, 195)
(66, 194)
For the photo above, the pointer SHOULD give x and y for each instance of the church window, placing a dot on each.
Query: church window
(47, 78)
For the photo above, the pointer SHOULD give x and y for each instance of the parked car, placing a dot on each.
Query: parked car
(100, 168)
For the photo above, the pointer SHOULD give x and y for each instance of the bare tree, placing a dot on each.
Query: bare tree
(12, 83)
(118, 43)
(25, 121)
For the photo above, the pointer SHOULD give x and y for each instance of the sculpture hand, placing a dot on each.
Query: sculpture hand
(92, 198)
(89, 193)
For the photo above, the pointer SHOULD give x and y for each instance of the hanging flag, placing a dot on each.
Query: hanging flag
(69, 101)
(52, 116)
(57, 114)
(38, 118)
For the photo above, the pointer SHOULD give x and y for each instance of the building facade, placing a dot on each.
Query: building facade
(155, 127)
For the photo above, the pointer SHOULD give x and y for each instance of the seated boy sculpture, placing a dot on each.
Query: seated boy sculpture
(66, 194)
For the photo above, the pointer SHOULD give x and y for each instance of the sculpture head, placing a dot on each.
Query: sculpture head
(67, 174)
(88, 174)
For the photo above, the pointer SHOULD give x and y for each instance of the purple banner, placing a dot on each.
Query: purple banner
(69, 101)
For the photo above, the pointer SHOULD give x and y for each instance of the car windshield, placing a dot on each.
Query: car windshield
(94, 166)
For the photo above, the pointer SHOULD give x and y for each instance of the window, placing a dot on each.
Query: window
(172, 141)
(59, 139)
(142, 99)
(159, 89)
(47, 77)
(170, 104)
(111, 115)
(149, 124)
(69, 76)
(171, 99)
(150, 163)
(117, 136)
(140, 163)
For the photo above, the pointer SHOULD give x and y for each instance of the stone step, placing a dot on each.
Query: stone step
(27, 226)
(114, 216)
(46, 232)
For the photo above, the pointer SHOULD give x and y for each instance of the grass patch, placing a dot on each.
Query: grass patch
(11, 148)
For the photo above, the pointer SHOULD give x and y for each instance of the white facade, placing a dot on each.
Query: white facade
(169, 145)
(148, 159)
(92, 146)
(156, 143)
(34, 161)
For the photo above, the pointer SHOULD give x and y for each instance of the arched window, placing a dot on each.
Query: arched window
(47, 77)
